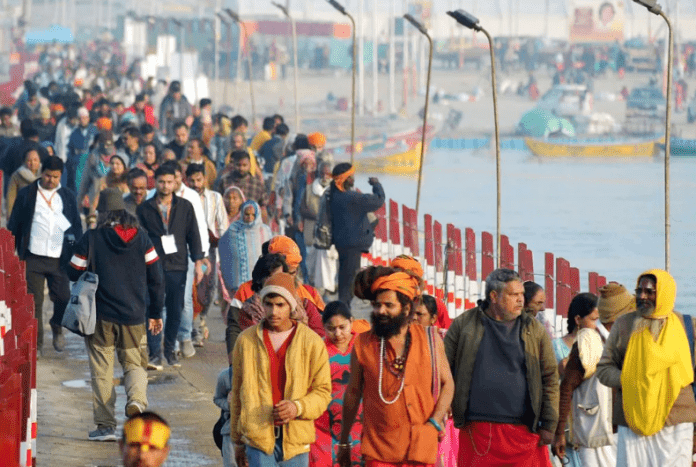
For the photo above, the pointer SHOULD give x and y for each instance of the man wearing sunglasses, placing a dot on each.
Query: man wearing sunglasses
(648, 359)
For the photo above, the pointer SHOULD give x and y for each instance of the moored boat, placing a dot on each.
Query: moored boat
(594, 147)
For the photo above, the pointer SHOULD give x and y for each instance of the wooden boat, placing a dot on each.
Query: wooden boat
(401, 155)
(406, 162)
(593, 147)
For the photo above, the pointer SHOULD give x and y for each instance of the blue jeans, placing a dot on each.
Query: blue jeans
(174, 282)
(258, 458)
(186, 325)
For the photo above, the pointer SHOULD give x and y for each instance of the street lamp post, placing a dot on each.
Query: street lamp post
(423, 31)
(469, 21)
(294, 46)
(181, 49)
(654, 8)
(217, 66)
(343, 11)
(236, 19)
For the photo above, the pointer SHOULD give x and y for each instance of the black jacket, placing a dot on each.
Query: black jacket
(182, 224)
(350, 225)
(131, 281)
(23, 215)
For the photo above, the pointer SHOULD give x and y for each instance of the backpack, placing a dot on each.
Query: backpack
(323, 232)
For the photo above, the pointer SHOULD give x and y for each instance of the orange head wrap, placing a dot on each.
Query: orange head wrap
(148, 433)
(407, 263)
(317, 140)
(398, 282)
(285, 246)
(339, 180)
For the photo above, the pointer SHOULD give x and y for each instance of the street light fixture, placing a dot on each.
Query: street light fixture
(423, 31)
(471, 22)
(653, 7)
(343, 11)
(236, 19)
(294, 46)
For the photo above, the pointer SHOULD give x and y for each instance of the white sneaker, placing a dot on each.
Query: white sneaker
(133, 408)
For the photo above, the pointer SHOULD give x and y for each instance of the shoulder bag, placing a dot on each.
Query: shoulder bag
(81, 313)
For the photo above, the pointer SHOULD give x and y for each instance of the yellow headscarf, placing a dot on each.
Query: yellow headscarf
(654, 372)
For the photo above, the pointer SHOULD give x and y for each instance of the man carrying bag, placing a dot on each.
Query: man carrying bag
(130, 293)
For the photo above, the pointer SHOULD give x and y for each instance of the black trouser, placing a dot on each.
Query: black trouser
(348, 265)
(174, 287)
(39, 270)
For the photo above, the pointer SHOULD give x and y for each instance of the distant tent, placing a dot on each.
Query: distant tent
(54, 33)
(541, 123)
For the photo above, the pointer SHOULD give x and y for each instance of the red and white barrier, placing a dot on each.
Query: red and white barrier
(18, 331)
(451, 266)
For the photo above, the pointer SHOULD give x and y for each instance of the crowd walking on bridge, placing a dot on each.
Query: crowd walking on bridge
(188, 212)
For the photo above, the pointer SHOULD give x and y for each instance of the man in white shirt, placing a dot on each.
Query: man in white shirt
(46, 225)
(216, 219)
(186, 327)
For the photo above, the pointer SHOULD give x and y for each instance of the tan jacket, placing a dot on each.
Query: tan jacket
(609, 374)
(251, 397)
(461, 346)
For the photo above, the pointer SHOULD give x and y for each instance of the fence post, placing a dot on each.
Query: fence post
(592, 281)
(395, 248)
(529, 264)
(450, 251)
(406, 222)
(487, 260)
(574, 282)
(439, 263)
(429, 258)
(601, 282)
(472, 288)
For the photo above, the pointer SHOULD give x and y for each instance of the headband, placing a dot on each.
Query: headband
(339, 180)
(147, 433)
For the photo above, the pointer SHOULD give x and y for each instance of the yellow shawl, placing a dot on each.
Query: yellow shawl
(654, 372)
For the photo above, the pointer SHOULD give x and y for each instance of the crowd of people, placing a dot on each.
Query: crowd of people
(187, 211)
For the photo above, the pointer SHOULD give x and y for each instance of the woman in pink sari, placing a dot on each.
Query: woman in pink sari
(426, 314)
(340, 337)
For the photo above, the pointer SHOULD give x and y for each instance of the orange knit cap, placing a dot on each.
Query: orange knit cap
(104, 123)
(287, 247)
(316, 140)
(398, 282)
(408, 263)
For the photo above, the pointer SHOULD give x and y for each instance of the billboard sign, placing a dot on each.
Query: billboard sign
(597, 21)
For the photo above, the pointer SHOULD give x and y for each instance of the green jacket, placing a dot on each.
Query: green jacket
(461, 345)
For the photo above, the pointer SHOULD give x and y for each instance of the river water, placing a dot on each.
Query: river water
(602, 215)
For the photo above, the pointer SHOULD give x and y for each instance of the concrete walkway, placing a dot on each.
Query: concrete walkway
(184, 396)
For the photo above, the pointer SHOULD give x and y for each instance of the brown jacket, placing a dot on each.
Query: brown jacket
(609, 374)
(461, 345)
